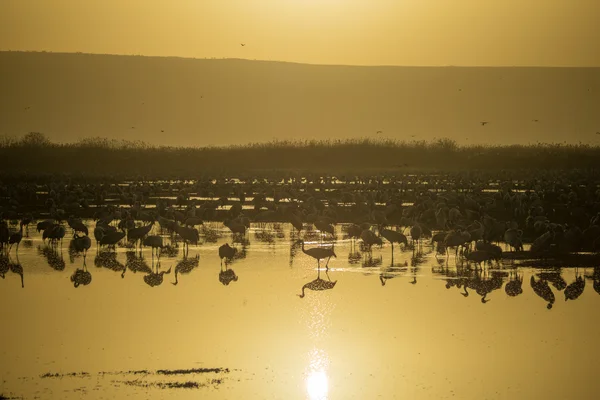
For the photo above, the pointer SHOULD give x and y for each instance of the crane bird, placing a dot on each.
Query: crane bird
(77, 225)
(138, 234)
(111, 238)
(394, 237)
(479, 256)
(43, 225)
(415, 233)
(324, 226)
(369, 238)
(319, 253)
(189, 235)
(16, 238)
(82, 244)
(227, 252)
(155, 242)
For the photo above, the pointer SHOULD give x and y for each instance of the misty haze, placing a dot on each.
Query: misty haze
(185, 102)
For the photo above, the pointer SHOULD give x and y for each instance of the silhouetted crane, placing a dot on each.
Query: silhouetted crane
(319, 253)
(227, 252)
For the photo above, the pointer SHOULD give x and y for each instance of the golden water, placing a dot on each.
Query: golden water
(357, 340)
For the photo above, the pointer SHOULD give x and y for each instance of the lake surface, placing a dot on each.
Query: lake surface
(407, 330)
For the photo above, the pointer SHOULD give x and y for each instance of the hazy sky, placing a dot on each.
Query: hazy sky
(362, 32)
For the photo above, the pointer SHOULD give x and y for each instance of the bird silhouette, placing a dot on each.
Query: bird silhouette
(318, 284)
(242, 44)
(394, 237)
(16, 238)
(484, 123)
(155, 242)
(227, 252)
(319, 253)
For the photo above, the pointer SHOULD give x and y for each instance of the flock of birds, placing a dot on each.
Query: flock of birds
(473, 217)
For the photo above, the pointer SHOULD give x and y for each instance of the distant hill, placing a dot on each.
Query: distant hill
(178, 101)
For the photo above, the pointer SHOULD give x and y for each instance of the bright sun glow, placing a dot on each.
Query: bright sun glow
(317, 382)
(317, 385)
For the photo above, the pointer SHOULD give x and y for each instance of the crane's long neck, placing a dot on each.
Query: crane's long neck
(303, 288)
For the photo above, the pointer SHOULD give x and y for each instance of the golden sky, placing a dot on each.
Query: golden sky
(359, 32)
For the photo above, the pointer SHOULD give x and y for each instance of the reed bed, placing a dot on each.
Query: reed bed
(35, 155)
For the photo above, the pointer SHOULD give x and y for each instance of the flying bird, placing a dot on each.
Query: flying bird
(535, 120)
(242, 44)
(483, 123)
(379, 131)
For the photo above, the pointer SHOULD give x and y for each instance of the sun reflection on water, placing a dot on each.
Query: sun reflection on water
(317, 382)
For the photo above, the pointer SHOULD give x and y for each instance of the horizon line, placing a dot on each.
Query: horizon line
(292, 62)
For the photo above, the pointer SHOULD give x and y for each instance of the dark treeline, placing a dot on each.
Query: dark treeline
(34, 155)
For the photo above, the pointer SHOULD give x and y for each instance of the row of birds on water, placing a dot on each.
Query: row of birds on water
(555, 216)
(462, 278)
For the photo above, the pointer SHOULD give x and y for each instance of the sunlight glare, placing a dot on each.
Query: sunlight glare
(317, 385)
(317, 382)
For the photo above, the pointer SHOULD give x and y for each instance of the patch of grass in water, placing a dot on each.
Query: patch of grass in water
(191, 371)
(58, 375)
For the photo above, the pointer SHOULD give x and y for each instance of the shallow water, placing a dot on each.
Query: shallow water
(401, 331)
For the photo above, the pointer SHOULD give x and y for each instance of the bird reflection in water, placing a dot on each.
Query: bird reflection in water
(480, 282)
(227, 276)
(541, 288)
(108, 259)
(354, 258)
(8, 264)
(4, 265)
(294, 247)
(575, 288)
(554, 277)
(392, 271)
(136, 263)
(155, 278)
(372, 262)
(81, 276)
(185, 266)
(318, 284)
(514, 286)
(596, 279)
(53, 256)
